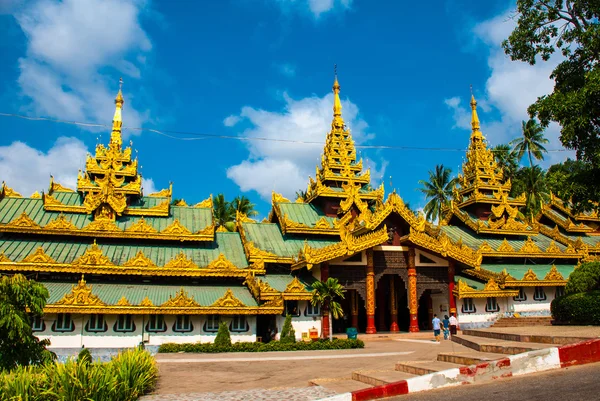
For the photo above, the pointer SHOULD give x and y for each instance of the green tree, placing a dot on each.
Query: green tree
(438, 190)
(531, 181)
(288, 334)
(20, 301)
(325, 294)
(531, 142)
(301, 194)
(243, 205)
(223, 338)
(223, 210)
(507, 160)
(584, 279)
(569, 179)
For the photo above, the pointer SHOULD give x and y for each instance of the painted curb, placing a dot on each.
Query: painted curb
(514, 365)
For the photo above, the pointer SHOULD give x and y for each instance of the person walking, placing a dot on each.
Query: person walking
(453, 324)
(436, 328)
(446, 323)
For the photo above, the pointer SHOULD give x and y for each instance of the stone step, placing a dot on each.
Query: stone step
(524, 338)
(495, 346)
(340, 385)
(420, 368)
(467, 358)
(379, 377)
(523, 321)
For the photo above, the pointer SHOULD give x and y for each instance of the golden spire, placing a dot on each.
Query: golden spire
(115, 136)
(474, 118)
(338, 121)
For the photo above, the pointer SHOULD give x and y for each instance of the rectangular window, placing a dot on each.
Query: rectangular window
(37, 324)
(238, 323)
(522, 296)
(560, 291)
(156, 324)
(539, 294)
(183, 324)
(492, 305)
(291, 308)
(124, 324)
(468, 306)
(63, 323)
(96, 324)
(212, 323)
(312, 310)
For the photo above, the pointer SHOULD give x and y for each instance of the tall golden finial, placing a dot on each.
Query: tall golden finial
(474, 118)
(115, 136)
(338, 122)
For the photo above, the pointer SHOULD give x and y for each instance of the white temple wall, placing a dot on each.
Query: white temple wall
(302, 323)
(532, 307)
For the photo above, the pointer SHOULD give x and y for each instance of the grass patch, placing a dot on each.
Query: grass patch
(262, 347)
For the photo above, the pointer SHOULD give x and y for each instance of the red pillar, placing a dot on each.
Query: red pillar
(413, 302)
(451, 299)
(354, 308)
(393, 305)
(370, 294)
(325, 311)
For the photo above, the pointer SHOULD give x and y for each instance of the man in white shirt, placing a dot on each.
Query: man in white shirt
(453, 324)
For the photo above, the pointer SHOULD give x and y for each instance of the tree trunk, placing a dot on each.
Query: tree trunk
(330, 326)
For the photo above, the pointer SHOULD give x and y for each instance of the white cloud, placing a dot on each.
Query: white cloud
(26, 169)
(230, 121)
(286, 69)
(68, 44)
(284, 166)
(316, 7)
(148, 185)
(511, 87)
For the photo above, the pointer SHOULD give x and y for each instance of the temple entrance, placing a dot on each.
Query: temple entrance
(265, 325)
(391, 303)
(353, 316)
(425, 312)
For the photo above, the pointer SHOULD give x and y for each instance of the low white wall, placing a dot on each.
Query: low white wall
(532, 307)
(110, 339)
(301, 324)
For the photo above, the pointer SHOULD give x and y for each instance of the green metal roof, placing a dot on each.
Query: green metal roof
(65, 251)
(147, 202)
(68, 198)
(268, 237)
(304, 213)
(194, 219)
(279, 282)
(110, 294)
(518, 271)
(470, 282)
(469, 238)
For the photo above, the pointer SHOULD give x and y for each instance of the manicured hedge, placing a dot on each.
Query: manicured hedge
(262, 347)
(582, 308)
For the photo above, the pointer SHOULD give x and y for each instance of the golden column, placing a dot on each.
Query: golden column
(413, 305)
(370, 294)
(452, 300)
(393, 305)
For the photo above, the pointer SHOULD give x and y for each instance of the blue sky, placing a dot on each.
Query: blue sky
(259, 68)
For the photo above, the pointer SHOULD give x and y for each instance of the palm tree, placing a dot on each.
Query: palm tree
(507, 160)
(534, 185)
(243, 205)
(223, 210)
(301, 194)
(325, 293)
(531, 142)
(438, 191)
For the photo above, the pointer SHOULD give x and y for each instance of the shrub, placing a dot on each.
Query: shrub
(288, 335)
(581, 308)
(136, 373)
(583, 279)
(223, 338)
(84, 356)
(322, 344)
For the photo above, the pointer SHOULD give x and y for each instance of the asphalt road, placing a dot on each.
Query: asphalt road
(579, 383)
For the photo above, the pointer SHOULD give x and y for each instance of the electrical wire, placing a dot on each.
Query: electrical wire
(195, 136)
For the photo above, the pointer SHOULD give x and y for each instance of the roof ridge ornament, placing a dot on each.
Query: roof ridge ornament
(115, 136)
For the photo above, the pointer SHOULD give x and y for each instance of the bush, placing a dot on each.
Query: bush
(84, 356)
(583, 279)
(323, 344)
(223, 338)
(582, 308)
(126, 377)
(288, 335)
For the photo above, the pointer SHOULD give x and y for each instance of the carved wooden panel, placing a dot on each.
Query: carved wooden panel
(351, 277)
(390, 262)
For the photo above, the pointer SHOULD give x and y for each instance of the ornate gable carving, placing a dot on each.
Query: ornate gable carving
(554, 275)
(61, 223)
(491, 285)
(206, 203)
(176, 228)
(141, 226)
(92, 257)
(228, 301)
(181, 261)
(264, 286)
(180, 202)
(4, 258)
(23, 221)
(39, 256)
(485, 247)
(81, 295)
(9, 192)
(530, 247)
(505, 247)
(164, 193)
(276, 302)
(278, 198)
(295, 286)
(221, 263)
(181, 300)
(146, 302)
(101, 225)
(140, 260)
(553, 248)
(123, 302)
(530, 276)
